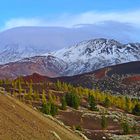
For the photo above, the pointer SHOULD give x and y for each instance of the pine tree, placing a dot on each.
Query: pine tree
(107, 102)
(136, 110)
(19, 88)
(49, 109)
(44, 100)
(92, 103)
(54, 109)
(36, 96)
(104, 122)
(52, 97)
(29, 96)
(75, 101)
(126, 128)
(64, 103)
(46, 108)
(72, 100)
(58, 85)
(128, 105)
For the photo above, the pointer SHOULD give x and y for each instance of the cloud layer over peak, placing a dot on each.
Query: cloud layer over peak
(68, 20)
(123, 26)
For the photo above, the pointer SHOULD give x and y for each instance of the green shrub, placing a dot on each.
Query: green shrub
(72, 100)
(78, 127)
(126, 128)
(104, 122)
(63, 104)
(107, 102)
(136, 110)
(49, 109)
(92, 103)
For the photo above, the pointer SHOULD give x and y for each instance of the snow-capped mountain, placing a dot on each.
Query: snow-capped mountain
(84, 57)
(13, 53)
(45, 65)
(95, 54)
(22, 42)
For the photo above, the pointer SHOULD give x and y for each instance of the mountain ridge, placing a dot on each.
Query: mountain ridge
(104, 52)
(82, 58)
(22, 42)
(122, 79)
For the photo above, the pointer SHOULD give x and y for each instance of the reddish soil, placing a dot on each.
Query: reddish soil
(100, 74)
(131, 79)
(36, 78)
(90, 124)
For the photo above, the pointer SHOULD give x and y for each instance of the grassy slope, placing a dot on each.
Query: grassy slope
(18, 121)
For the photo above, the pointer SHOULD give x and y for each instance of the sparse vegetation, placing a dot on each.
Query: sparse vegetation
(63, 103)
(73, 95)
(72, 100)
(136, 110)
(107, 102)
(104, 122)
(49, 109)
(126, 127)
(92, 103)
(49, 97)
(78, 127)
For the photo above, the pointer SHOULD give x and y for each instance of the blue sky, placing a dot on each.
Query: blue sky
(67, 12)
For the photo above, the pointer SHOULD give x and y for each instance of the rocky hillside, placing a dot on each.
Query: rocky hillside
(46, 65)
(95, 54)
(123, 79)
(119, 79)
(84, 57)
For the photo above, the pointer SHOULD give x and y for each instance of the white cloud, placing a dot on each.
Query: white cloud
(132, 17)
(67, 20)
(17, 22)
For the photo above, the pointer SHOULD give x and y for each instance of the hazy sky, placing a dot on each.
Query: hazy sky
(67, 12)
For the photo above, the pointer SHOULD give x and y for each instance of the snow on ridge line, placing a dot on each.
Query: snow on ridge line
(94, 54)
(88, 56)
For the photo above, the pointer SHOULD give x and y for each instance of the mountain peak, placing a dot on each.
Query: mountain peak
(93, 54)
(84, 57)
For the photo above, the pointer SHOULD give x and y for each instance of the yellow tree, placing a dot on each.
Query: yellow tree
(44, 100)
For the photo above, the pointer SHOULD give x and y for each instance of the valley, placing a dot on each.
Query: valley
(70, 70)
(95, 114)
(86, 56)
(90, 89)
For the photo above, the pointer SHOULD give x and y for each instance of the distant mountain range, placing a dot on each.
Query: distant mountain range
(24, 42)
(122, 79)
(84, 57)
(95, 54)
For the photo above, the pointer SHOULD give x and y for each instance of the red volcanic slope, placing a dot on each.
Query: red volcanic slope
(49, 66)
(87, 79)
(36, 78)
(100, 73)
(131, 79)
